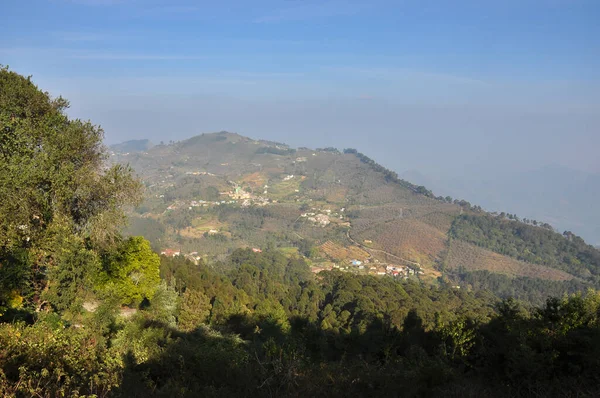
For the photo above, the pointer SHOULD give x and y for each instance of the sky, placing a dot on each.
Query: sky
(454, 88)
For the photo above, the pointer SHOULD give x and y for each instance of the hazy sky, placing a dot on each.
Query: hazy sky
(441, 86)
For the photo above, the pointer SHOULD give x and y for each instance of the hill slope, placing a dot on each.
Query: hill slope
(213, 193)
(132, 146)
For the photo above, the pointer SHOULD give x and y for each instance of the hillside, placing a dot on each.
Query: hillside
(213, 193)
(86, 311)
(132, 146)
(561, 196)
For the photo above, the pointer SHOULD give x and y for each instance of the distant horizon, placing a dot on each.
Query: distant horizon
(464, 91)
(495, 85)
(257, 138)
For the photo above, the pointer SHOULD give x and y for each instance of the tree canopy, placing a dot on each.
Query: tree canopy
(54, 185)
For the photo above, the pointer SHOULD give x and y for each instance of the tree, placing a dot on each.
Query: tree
(132, 272)
(54, 183)
(194, 309)
(73, 276)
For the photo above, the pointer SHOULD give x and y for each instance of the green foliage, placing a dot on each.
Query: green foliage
(390, 176)
(194, 310)
(42, 360)
(163, 304)
(72, 278)
(276, 150)
(340, 334)
(530, 290)
(529, 243)
(15, 271)
(131, 272)
(53, 184)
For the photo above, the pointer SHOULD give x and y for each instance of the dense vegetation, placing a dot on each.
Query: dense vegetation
(276, 150)
(525, 289)
(530, 243)
(263, 327)
(85, 311)
(61, 209)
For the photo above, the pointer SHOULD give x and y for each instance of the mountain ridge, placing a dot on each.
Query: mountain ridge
(558, 195)
(216, 192)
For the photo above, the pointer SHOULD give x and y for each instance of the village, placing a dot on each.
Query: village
(366, 267)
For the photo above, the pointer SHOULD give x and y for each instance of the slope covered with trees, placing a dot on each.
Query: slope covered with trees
(264, 327)
(530, 243)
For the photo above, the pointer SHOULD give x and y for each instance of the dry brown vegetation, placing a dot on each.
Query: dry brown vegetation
(471, 257)
(336, 194)
(340, 253)
(441, 220)
(255, 180)
(407, 238)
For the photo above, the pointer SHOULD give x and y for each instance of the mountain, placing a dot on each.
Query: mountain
(217, 192)
(132, 146)
(563, 197)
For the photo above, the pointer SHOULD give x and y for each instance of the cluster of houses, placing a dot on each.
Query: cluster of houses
(247, 198)
(198, 203)
(170, 252)
(237, 193)
(193, 256)
(322, 217)
(375, 268)
(199, 173)
(204, 203)
(401, 271)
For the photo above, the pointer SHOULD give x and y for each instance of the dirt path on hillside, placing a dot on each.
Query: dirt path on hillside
(369, 250)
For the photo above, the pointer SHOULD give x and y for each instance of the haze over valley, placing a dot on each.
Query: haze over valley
(300, 198)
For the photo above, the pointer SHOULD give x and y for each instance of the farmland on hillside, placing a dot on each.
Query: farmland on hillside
(338, 252)
(407, 238)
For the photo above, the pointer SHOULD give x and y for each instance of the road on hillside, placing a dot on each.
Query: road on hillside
(369, 250)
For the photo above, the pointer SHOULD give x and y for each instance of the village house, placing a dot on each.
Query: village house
(170, 252)
(322, 219)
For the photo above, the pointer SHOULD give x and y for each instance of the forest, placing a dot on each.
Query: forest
(86, 311)
(530, 243)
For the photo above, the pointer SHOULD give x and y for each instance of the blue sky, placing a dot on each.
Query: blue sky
(440, 86)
